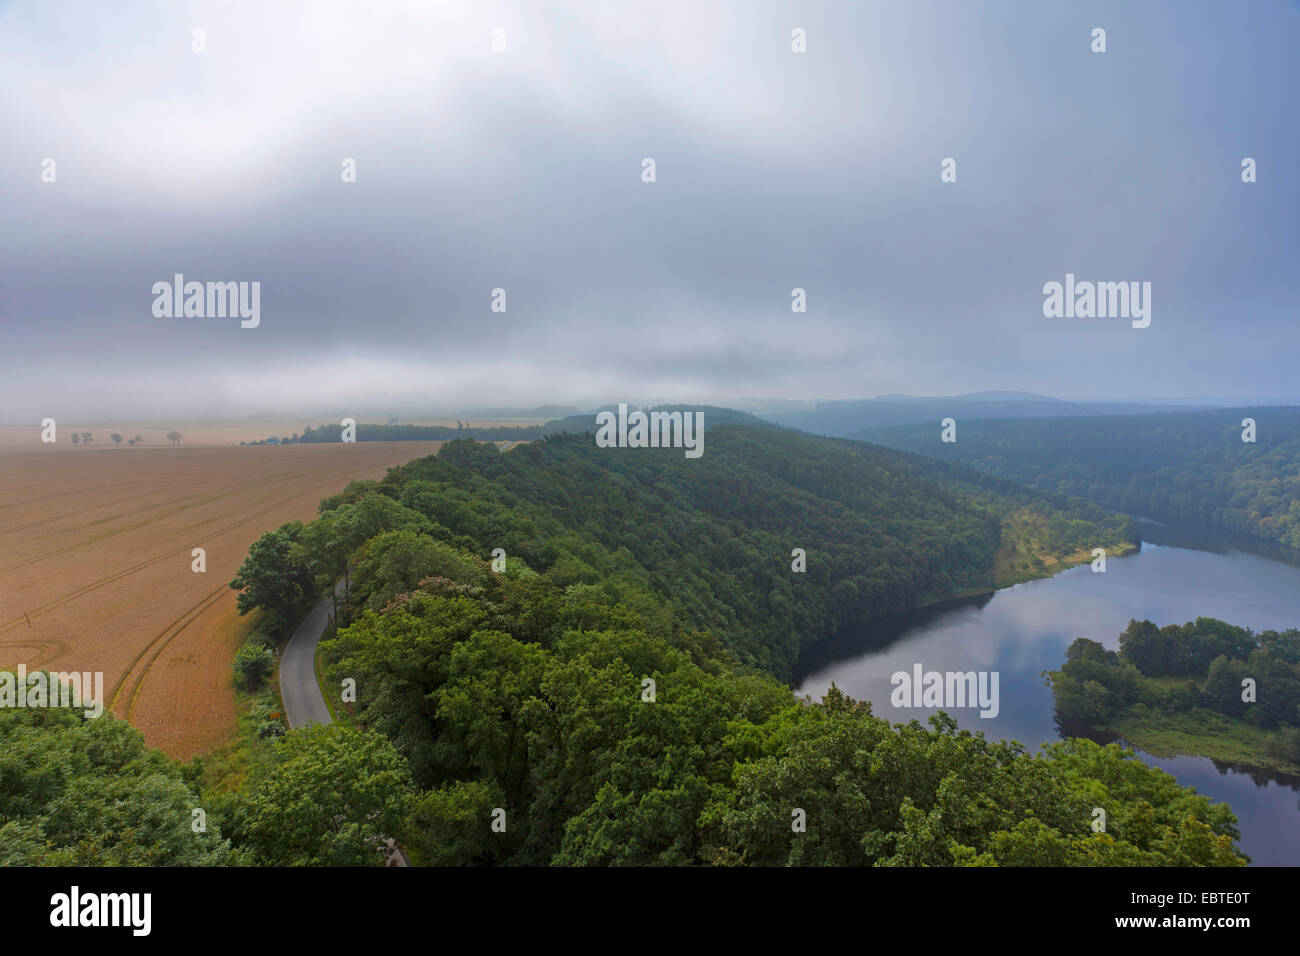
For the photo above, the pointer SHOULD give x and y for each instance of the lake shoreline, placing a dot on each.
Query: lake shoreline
(1023, 630)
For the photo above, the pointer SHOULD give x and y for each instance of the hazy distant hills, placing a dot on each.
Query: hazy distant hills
(845, 419)
(570, 424)
(543, 412)
(713, 415)
(855, 418)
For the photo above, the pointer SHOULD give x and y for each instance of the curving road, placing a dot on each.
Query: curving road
(303, 702)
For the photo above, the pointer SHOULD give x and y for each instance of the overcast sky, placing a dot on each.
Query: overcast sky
(523, 170)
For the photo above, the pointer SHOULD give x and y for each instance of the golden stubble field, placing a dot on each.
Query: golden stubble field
(95, 564)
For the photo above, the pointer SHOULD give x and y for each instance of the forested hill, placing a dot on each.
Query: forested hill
(1188, 466)
(712, 538)
(584, 681)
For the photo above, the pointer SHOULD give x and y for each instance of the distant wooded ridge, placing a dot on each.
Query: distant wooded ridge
(1183, 466)
(573, 424)
(838, 419)
(1186, 465)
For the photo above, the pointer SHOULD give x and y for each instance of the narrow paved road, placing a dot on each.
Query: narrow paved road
(303, 702)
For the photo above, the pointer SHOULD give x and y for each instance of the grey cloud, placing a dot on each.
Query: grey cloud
(521, 171)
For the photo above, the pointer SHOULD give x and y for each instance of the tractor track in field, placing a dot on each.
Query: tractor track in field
(84, 490)
(166, 636)
(271, 479)
(46, 650)
(279, 476)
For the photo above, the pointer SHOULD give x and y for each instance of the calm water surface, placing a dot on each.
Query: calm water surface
(1024, 630)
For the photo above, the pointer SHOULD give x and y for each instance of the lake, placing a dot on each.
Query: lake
(1024, 630)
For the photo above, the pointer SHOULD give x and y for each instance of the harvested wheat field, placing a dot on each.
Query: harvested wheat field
(95, 564)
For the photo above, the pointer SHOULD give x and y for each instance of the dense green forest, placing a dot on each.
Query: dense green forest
(79, 791)
(530, 696)
(1187, 466)
(76, 791)
(604, 692)
(709, 541)
(1205, 687)
(585, 770)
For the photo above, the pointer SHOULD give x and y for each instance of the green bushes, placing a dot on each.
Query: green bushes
(76, 791)
(1246, 712)
(325, 796)
(252, 665)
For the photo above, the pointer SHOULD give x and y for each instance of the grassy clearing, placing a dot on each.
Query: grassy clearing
(1034, 547)
(1202, 733)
